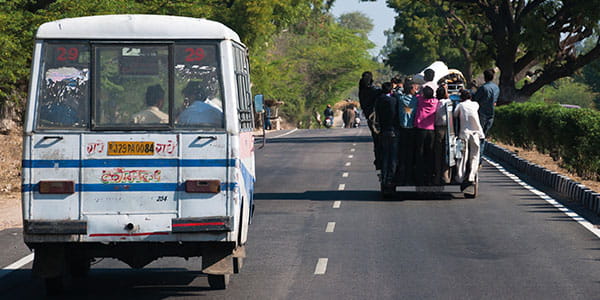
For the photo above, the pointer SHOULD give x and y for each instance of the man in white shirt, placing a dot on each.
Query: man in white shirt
(155, 98)
(201, 112)
(470, 133)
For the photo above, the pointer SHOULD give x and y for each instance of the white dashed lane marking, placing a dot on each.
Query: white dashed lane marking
(341, 187)
(336, 204)
(330, 227)
(348, 164)
(16, 265)
(345, 174)
(352, 150)
(321, 267)
(350, 156)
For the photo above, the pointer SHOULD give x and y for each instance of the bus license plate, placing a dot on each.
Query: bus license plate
(130, 148)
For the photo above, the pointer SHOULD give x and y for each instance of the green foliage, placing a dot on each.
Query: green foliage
(518, 36)
(430, 31)
(566, 91)
(313, 64)
(298, 53)
(357, 22)
(572, 135)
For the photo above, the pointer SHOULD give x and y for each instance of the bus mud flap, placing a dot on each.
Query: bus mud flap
(220, 262)
(238, 258)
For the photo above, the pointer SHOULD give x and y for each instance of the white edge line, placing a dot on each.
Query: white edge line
(289, 132)
(321, 267)
(573, 215)
(336, 204)
(18, 264)
(330, 227)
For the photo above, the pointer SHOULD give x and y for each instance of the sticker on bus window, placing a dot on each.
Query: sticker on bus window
(130, 148)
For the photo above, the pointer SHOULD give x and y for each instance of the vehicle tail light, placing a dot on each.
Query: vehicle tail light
(57, 187)
(203, 186)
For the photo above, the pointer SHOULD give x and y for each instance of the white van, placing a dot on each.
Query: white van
(137, 145)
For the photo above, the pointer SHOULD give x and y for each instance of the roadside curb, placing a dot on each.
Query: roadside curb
(564, 185)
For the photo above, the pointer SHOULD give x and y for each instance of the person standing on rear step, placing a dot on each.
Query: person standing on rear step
(441, 174)
(470, 134)
(486, 96)
(407, 105)
(367, 92)
(386, 108)
(425, 134)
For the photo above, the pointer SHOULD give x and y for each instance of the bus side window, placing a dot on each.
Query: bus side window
(64, 88)
(242, 77)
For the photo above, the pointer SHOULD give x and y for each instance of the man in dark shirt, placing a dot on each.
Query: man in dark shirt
(386, 109)
(486, 96)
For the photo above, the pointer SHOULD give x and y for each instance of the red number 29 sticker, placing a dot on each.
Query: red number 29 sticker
(67, 54)
(194, 54)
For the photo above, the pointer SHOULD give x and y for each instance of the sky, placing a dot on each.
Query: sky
(382, 16)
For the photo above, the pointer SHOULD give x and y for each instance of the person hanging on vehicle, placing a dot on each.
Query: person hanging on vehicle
(441, 167)
(367, 92)
(429, 75)
(470, 133)
(425, 134)
(407, 106)
(386, 108)
(486, 96)
(397, 85)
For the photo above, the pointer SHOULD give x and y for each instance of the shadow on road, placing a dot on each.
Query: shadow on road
(114, 284)
(356, 196)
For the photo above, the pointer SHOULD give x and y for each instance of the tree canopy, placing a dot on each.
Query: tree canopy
(538, 37)
(299, 53)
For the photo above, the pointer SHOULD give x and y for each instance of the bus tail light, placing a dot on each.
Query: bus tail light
(57, 187)
(203, 186)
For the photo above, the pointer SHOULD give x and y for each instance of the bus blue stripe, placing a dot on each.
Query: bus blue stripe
(130, 187)
(127, 163)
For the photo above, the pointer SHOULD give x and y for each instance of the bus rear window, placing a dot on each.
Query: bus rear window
(131, 86)
(198, 95)
(64, 86)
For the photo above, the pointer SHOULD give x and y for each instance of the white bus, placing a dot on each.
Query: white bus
(137, 145)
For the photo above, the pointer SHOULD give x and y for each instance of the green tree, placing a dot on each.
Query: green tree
(435, 30)
(315, 62)
(358, 22)
(519, 36)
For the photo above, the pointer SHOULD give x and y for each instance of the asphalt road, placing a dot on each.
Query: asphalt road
(320, 231)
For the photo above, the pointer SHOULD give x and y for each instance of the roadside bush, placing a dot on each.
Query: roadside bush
(569, 135)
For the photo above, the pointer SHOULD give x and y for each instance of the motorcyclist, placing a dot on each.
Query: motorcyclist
(328, 115)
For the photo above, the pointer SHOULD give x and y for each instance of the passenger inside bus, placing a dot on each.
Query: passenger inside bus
(202, 111)
(155, 98)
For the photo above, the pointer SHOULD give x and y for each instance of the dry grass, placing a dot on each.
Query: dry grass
(547, 162)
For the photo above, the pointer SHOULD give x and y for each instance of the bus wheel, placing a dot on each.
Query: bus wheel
(218, 282)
